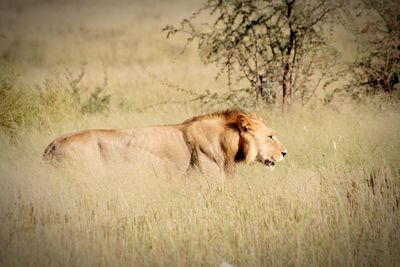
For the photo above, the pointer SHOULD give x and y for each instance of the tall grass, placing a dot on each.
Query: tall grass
(333, 201)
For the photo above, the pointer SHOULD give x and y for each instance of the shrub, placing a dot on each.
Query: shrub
(97, 101)
(43, 105)
(15, 106)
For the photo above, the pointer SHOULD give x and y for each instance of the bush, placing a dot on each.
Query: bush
(15, 106)
(52, 102)
(97, 101)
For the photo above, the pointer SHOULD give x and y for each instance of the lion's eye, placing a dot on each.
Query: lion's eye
(270, 136)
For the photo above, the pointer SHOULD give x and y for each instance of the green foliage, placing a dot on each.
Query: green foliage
(52, 102)
(14, 105)
(97, 101)
(23, 107)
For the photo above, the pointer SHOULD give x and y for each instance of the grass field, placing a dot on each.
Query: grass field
(333, 201)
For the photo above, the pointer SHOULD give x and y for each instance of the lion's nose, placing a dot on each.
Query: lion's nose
(283, 154)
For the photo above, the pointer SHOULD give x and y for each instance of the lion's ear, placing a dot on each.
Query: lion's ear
(243, 123)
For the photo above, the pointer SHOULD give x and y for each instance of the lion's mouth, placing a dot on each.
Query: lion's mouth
(269, 163)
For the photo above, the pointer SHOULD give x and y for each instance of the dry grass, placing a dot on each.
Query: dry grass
(334, 201)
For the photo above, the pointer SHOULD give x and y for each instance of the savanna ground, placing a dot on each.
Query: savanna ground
(334, 201)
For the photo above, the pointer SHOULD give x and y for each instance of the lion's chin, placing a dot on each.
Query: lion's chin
(269, 164)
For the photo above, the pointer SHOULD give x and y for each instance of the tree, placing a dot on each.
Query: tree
(270, 44)
(377, 68)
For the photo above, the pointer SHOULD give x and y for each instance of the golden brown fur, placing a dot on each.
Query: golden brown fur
(214, 141)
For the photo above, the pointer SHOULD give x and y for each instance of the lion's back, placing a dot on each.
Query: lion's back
(155, 146)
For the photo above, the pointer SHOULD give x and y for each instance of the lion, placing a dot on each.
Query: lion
(218, 140)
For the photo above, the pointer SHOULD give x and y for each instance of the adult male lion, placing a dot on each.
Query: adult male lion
(217, 140)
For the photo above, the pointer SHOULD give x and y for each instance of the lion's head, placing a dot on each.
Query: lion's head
(258, 142)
